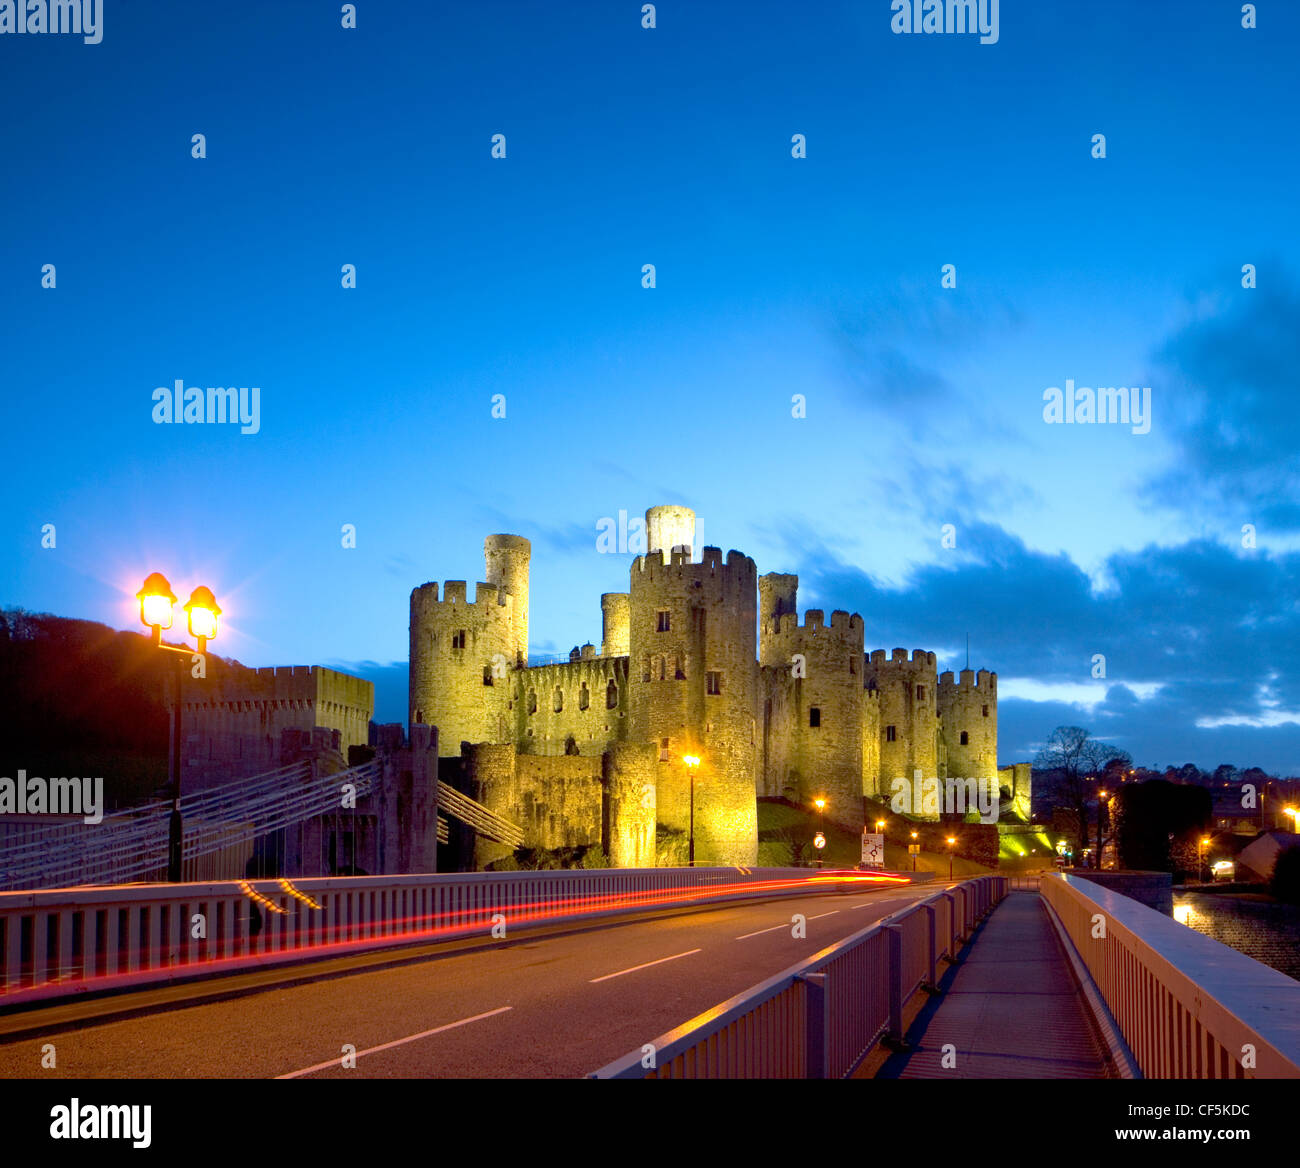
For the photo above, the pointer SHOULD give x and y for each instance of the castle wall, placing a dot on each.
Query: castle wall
(233, 721)
(591, 730)
(1016, 780)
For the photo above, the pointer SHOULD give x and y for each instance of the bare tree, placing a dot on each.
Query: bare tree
(1077, 758)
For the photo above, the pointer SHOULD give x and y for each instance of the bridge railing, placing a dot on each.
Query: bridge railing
(822, 1017)
(1187, 1006)
(69, 941)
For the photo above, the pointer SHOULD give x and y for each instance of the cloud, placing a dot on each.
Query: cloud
(1231, 409)
(894, 351)
(1201, 643)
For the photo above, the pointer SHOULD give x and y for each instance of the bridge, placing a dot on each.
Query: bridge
(623, 973)
(221, 825)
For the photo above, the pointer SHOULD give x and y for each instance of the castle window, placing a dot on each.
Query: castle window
(986, 711)
(645, 672)
(458, 639)
(681, 668)
(965, 738)
(559, 699)
(660, 668)
(584, 697)
(570, 745)
(853, 665)
(814, 716)
(920, 693)
(891, 733)
(532, 702)
(611, 695)
(663, 622)
(487, 675)
(713, 681)
(419, 715)
(663, 750)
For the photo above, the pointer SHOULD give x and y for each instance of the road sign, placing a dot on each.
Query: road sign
(913, 849)
(873, 849)
(819, 840)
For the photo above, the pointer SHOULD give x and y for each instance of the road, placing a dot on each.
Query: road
(539, 1006)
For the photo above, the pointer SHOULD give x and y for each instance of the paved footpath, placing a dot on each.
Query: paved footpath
(1012, 1011)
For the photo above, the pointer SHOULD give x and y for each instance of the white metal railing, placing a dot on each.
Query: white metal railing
(1187, 1006)
(820, 1018)
(54, 943)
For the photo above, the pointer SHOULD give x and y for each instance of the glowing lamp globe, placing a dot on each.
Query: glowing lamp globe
(203, 611)
(156, 600)
(691, 760)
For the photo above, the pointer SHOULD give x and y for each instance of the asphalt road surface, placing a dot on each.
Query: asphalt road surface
(540, 1006)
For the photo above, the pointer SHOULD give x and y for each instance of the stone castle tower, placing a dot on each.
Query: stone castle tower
(700, 658)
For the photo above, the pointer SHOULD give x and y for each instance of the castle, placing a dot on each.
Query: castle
(595, 750)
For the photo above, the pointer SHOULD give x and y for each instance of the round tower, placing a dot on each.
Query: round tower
(909, 723)
(820, 667)
(669, 527)
(777, 597)
(693, 691)
(506, 558)
(969, 709)
(462, 652)
(616, 613)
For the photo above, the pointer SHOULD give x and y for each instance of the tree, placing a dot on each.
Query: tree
(1159, 825)
(1285, 884)
(1076, 757)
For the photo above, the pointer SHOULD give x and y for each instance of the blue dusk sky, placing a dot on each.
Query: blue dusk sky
(775, 276)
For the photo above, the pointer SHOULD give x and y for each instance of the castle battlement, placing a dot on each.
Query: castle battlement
(786, 634)
(737, 567)
(982, 681)
(455, 595)
(898, 659)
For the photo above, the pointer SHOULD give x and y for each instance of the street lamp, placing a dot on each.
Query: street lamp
(1295, 817)
(951, 840)
(157, 601)
(1101, 818)
(1205, 843)
(820, 804)
(914, 853)
(692, 761)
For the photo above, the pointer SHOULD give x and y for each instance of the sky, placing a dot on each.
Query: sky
(1174, 554)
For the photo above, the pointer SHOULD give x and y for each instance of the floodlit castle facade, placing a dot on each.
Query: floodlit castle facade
(702, 659)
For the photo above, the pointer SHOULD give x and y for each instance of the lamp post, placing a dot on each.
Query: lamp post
(156, 603)
(1295, 817)
(692, 761)
(1205, 843)
(1101, 819)
(913, 854)
(820, 804)
(951, 840)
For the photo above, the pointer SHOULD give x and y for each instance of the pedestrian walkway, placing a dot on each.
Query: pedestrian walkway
(1010, 1010)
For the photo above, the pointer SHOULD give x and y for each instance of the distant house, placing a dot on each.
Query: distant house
(1229, 814)
(1255, 861)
